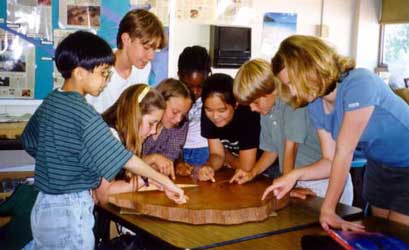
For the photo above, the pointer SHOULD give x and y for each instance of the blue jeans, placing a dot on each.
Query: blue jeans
(63, 221)
(196, 156)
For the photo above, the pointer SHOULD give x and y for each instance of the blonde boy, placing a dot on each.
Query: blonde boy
(285, 133)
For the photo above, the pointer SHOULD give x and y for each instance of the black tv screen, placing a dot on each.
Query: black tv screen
(234, 38)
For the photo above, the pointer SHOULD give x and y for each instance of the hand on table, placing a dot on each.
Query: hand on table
(206, 173)
(281, 186)
(301, 193)
(163, 165)
(175, 193)
(183, 169)
(331, 219)
(241, 176)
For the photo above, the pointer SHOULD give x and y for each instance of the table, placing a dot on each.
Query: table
(9, 135)
(292, 240)
(298, 215)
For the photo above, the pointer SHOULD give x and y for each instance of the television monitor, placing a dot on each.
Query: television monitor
(230, 47)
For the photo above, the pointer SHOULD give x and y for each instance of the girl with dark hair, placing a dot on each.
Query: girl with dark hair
(193, 69)
(223, 124)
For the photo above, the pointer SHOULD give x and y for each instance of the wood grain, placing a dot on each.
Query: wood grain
(209, 203)
(297, 215)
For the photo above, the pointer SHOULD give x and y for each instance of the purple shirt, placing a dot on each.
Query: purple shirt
(169, 142)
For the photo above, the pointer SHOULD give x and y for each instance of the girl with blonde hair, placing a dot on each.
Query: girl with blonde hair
(350, 107)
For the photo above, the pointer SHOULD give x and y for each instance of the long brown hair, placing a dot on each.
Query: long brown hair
(126, 114)
(313, 67)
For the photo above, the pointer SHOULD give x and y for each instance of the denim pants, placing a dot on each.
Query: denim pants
(63, 221)
(196, 156)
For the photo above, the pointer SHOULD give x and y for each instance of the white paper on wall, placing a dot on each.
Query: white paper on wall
(158, 7)
(17, 67)
(30, 17)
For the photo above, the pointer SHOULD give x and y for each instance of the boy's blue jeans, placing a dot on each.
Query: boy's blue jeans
(63, 221)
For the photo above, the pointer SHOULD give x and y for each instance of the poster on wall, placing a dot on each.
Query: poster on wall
(30, 17)
(235, 12)
(159, 7)
(276, 27)
(17, 67)
(80, 14)
(196, 10)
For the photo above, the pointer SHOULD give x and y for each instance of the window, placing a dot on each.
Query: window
(395, 53)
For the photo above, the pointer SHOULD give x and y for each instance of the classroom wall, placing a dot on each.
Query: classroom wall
(366, 43)
(352, 28)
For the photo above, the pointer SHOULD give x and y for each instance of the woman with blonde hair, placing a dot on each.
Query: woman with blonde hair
(350, 107)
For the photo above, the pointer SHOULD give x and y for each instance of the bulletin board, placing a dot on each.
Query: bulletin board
(31, 29)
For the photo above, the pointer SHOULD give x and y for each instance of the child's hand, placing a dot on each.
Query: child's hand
(329, 219)
(241, 176)
(301, 193)
(281, 186)
(176, 194)
(163, 165)
(184, 169)
(206, 173)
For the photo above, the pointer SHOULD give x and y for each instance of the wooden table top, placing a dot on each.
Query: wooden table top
(209, 203)
(298, 215)
(292, 240)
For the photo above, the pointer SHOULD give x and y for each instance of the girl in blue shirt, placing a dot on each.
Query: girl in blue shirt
(350, 107)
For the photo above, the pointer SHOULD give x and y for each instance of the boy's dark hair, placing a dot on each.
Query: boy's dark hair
(142, 24)
(82, 49)
(220, 85)
(194, 59)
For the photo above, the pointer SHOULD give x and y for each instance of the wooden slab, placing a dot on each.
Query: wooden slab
(209, 203)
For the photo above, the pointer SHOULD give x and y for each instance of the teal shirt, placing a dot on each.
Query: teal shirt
(282, 122)
(72, 145)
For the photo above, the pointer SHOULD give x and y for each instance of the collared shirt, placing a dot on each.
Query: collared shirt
(283, 122)
(169, 142)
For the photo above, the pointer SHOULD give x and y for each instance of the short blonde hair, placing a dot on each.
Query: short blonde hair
(313, 67)
(253, 80)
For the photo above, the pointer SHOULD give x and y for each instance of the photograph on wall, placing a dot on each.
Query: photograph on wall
(158, 7)
(276, 27)
(235, 12)
(196, 10)
(80, 14)
(30, 17)
(17, 67)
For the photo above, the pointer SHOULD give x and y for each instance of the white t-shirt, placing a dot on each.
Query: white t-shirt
(116, 86)
(194, 139)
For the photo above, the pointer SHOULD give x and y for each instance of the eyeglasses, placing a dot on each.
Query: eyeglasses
(107, 74)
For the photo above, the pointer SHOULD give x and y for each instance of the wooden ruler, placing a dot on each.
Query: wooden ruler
(154, 188)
